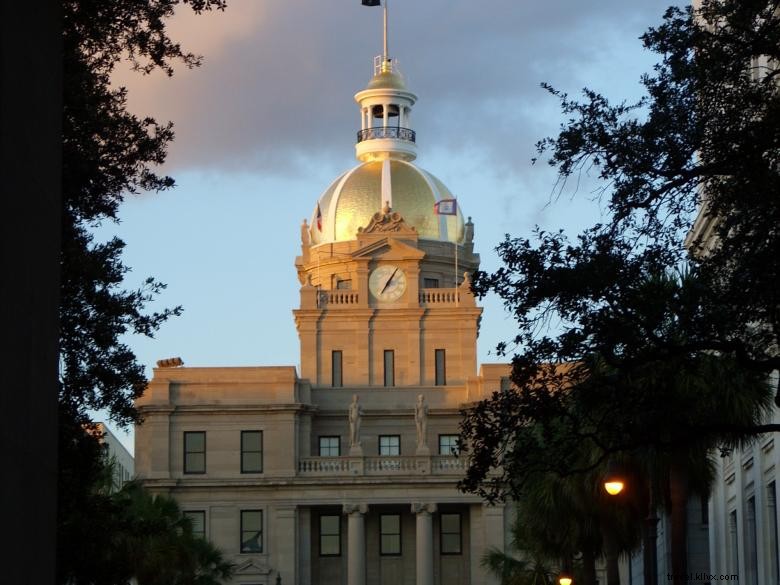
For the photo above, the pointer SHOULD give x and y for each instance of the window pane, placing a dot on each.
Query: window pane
(389, 445)
(252, 462)
(194, 441)
(450, 533)
(448, 444)
(251, 441)
(329, 447)
(441, 367)
(389, 367)
(251, 451)
(330, 535)
(251, 531)
(430, 283)
(450, 544)
(391, 544)
(450, 523)
(390, 534)
(330, 545)
(336, 369)
(195, 463)
(198, 520)
(252, 520)
(391, 524)
(329, 524)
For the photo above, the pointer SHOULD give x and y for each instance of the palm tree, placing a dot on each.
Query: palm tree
(161, 546)
(566, 521)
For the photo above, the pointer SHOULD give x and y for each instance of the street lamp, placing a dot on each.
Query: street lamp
(614, 484)
(613, 479)
(564, 579)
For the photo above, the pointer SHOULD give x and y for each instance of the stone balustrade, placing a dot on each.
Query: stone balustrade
(381, 465)
(440, 296)
(338, 298)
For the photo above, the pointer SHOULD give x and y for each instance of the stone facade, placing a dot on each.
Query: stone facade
(346, 472)
(392, 513)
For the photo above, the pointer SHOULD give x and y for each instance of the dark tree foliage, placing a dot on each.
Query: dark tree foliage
(108, 153)
(116, 536)
(626, 341)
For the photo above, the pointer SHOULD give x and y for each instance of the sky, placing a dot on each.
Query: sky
(269, 120)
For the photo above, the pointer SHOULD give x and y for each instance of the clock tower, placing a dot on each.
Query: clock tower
(385, 295)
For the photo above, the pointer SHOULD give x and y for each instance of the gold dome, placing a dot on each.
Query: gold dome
(387, 80)
(354, 197)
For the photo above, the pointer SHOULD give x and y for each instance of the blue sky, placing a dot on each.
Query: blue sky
(268, 121)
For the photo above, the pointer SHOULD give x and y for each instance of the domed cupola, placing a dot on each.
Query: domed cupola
(385, 115)
(386, 147)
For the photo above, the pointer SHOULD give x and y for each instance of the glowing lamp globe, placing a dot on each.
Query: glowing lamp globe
(613, 487)
(562, 580)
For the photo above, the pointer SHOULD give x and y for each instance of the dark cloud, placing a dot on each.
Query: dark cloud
(278, 78)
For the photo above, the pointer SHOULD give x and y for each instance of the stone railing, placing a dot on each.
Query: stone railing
(337, 298)
(440, 296)
(324, 466)
(381, 465)
(442, 464)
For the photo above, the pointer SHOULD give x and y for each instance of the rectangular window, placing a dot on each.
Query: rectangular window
(330, 536)
(751, 545)
(390, 534)
(430, 283)
(251, 451)
(251, 531)
(198, 520)
(344, 285)
(195, 452)
(335, 369)
(441, 367)
(450, 534)
(330, 446)
(448, 444)
(389, 367)
(390, 445)
(733, 551)
(771, 498)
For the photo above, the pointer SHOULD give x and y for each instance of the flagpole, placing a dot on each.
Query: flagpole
(385, 31)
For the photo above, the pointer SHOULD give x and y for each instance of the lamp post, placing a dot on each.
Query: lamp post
(613, 485)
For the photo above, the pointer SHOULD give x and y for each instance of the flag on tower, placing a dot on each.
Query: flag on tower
(371, 2)
(446, 207)
(319, 217)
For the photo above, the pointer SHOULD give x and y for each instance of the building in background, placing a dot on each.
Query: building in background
(345, 472)
(120, 458)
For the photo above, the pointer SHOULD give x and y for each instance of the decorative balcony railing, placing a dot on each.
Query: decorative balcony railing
(381, 465)
(331, 298)
(387, 132)
(440, 296)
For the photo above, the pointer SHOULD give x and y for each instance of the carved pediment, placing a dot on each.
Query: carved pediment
(387, 249)
(252, 567)
(386, 221)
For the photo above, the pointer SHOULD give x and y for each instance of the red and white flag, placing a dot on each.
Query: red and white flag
(446, 207)
(319, 217)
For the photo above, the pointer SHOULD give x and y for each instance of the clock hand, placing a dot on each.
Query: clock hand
(387, 283)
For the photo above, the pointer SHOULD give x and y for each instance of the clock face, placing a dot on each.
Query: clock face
(387, 283)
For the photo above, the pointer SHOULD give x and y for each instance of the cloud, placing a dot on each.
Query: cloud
(275, 89)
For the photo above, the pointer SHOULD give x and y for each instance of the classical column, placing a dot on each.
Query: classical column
(494, 533)
(424, 542)
(286, 543)
(356, 543)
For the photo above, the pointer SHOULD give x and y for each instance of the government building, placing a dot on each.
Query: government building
(345, 472)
